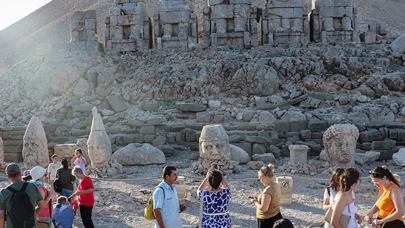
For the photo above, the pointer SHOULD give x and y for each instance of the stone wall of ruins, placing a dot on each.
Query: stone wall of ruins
(254, 138)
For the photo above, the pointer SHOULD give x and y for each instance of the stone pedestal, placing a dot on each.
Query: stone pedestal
(286, 185)
(298, 153)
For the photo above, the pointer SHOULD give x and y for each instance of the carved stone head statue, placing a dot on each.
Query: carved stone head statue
(99, 145)
(35, 145)
(340, 144)
(214, 143)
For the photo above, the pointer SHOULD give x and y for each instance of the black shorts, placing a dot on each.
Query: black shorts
(393, 224)
(268, 223)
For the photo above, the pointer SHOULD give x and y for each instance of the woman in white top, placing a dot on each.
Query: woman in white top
(331, 190)
(344, 201)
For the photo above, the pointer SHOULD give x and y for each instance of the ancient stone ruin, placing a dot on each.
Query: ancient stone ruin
(35, 145)
(340, 144)
(334, 21)
(214, 149)
(176, 24)
(83, 31)
(128, 26)
(230, 23)
(285, 22)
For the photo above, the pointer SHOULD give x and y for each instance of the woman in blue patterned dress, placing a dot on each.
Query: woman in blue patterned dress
(215, 212)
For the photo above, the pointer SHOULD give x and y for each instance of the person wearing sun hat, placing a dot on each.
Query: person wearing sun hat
(13, 173)
(38, 175)
(26, 176)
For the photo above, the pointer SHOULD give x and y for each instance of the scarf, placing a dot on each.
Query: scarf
(37, 183)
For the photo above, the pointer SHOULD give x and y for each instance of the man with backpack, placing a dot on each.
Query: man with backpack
(20, 202)
(166, 206)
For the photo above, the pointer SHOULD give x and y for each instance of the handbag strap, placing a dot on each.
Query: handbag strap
(201, 209)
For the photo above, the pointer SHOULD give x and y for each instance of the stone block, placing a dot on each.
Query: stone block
(177, 126)
(174, 17)
(256, 139)
(135, 123)
(383, 145)
(370, 136)
(151, 106)
(192, 107)
(222, 12)
(368, 37)
(190, 136)
(245, 146)
(306, 134)
(395, 125)
(339, 11)
(76, 132)
(171, 137)
(158, 141)
(366, 146)
(259, 149)
(283, 12)
(385, 155)
(148, 129)
(297, 125)
(195, 126)
(298, 153)
(116, 103)
(371, 156)
(266, 158)
(13, 157)
(235, 138)
(217, 2)
(13, 149)
(285, 4)
(82, 108)
(13, 142)
(318, 125)
(113, 130)
(393, 133)
(282, 126)
(317, 135)
(265, 135)
(274, 150)
(149, 138)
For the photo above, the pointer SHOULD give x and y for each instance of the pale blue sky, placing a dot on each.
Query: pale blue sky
(13, 10)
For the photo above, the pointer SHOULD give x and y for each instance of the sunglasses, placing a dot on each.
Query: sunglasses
(376, 174)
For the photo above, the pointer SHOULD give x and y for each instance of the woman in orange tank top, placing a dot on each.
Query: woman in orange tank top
(390, 201)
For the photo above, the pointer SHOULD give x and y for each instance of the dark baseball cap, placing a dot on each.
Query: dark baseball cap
(12, 168)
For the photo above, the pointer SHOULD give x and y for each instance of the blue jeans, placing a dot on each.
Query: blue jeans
(67, 192)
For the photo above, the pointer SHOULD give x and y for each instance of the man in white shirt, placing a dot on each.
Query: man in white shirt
(166, 206)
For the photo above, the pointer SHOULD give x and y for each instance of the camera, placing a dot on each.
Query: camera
(214, 166)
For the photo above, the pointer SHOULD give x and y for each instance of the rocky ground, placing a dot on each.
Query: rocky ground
(121, 199)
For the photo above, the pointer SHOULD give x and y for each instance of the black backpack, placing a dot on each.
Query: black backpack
(21, 211)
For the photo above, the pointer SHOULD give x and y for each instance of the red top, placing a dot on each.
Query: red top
(44, 213)
(86, 199)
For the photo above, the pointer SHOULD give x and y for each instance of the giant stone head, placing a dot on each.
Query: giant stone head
(214, 143)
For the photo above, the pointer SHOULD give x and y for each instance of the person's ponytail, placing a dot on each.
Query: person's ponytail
(391, 177)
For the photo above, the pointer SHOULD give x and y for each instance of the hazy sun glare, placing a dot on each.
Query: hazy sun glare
(12, 11)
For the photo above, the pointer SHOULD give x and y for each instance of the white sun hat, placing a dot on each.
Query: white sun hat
(37, 172)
